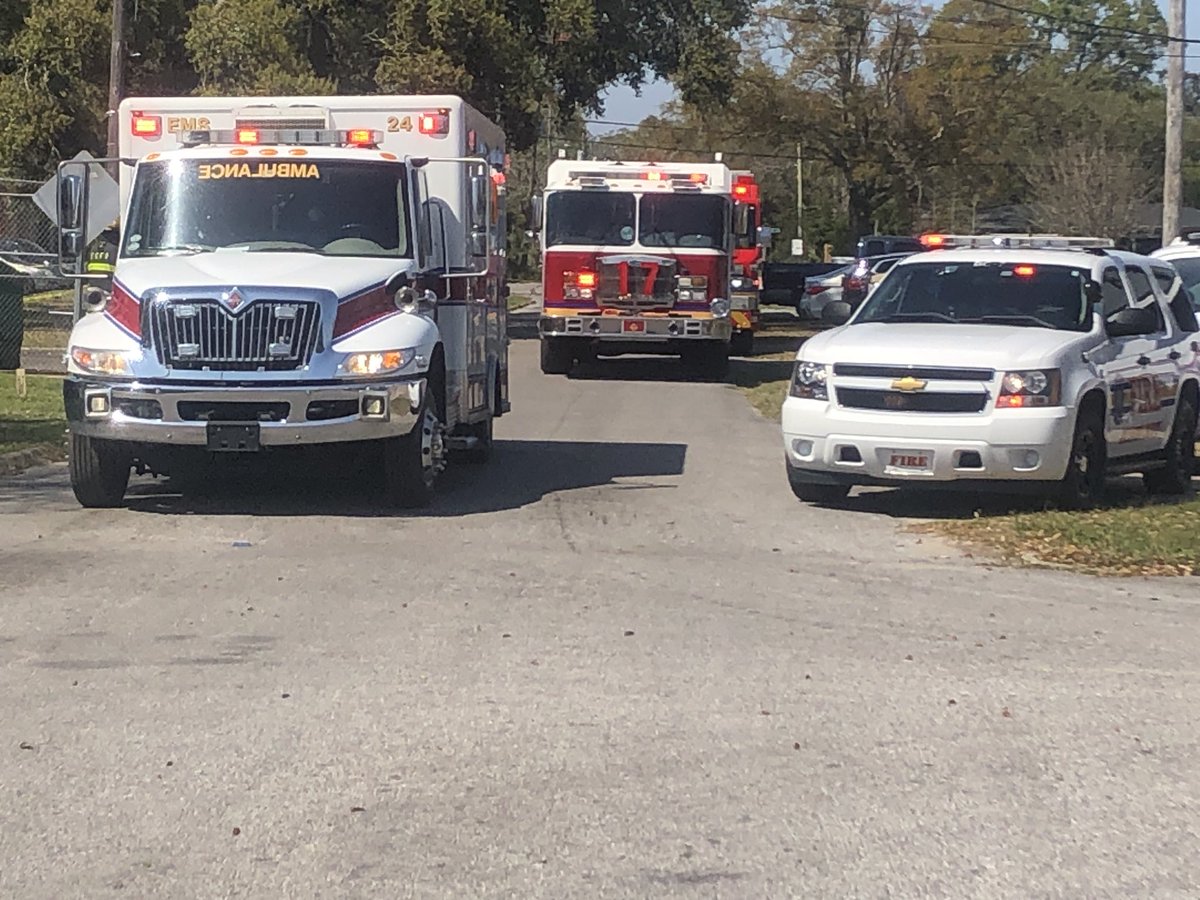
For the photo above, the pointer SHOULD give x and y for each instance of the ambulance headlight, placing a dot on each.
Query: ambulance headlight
(103, 362)
(380, 362)
(719, 308)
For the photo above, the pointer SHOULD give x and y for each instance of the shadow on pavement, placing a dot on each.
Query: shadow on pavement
(519, 473)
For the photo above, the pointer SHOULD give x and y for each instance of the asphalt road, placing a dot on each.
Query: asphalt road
(618, 661)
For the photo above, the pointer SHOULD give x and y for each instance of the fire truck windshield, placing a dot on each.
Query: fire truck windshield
(683, 220)
(330, 207)
(587, 217)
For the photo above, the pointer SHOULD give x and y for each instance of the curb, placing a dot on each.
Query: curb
(19, 460)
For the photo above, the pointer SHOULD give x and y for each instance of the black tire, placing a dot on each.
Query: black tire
(557, 356)
(413, 462)
(1180, 454)
(742, 343)
(1082, 487)
(99, 471)
(819, 493)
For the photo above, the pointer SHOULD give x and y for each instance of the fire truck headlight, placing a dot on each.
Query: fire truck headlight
(741, 284)
(382, 362)
(719, 308)
(101, 362)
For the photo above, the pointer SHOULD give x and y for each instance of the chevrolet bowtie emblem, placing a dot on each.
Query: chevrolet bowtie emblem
(908, 384)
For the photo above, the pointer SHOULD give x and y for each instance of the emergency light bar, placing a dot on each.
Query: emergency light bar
(936, 241)
(675, 179)
(311, 137)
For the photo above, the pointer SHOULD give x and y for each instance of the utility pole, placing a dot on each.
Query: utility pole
(1173, 165)
(800, 193)
(116, 77)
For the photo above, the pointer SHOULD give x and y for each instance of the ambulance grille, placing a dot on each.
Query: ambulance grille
(270, 335)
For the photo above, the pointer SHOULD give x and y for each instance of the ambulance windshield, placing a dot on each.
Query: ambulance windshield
(330, 207)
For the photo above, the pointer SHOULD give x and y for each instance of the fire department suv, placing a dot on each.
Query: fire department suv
(636, 259)
(292, 271)
(998, 361)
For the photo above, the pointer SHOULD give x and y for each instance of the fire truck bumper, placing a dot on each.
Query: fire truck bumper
(204, 416)
(650, 329)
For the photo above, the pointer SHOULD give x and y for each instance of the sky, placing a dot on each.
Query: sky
(621, 104)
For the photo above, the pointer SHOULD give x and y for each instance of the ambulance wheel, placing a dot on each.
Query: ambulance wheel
(99, 471)
(742, 343)
(1175, 477)
(557, 356)
(413, 461)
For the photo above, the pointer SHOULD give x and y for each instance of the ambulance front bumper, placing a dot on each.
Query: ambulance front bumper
(200, 416)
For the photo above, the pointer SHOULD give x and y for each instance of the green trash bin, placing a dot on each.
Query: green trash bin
(13, 286)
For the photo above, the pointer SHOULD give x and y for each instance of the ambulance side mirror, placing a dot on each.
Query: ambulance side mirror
(480, 194)
(72, 218)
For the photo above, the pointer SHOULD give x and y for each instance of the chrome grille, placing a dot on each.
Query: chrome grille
(633, 276)
(274, 335)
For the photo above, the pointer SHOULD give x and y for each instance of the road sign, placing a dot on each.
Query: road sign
(104, 197)
(797, 246)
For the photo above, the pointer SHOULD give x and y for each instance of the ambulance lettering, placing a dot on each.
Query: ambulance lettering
(213, 171)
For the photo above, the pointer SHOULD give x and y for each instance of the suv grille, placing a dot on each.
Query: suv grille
(859, 398)
(273, 335)
(928, 372)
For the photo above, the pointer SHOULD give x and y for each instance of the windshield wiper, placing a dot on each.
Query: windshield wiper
(185, 248)
(1015, 320)
(301, 249)
(915, 317)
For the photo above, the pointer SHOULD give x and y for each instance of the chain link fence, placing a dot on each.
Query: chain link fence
(35, 305)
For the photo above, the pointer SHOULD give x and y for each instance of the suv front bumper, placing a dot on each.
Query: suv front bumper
(292, 415)
(826, 444)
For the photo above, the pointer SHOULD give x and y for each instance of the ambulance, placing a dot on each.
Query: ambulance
(636, 258)
(292, 271)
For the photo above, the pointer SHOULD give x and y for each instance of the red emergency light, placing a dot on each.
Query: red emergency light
(933, 241)
(741, 190)
(1025, 271)
(247, 136)
(433, 123)
(146, 126)
(362, 137)
(586, 279)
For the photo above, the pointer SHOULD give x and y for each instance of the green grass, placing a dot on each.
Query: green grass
(35, 421)
(518, 301)
(1141, 539)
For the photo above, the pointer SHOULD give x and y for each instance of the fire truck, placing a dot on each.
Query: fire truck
(291, 271)
(636, 258)
(748, 252)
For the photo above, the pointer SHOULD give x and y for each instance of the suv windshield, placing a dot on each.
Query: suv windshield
(982, 293)
(682, 220)
(331, 207)
(589, 217)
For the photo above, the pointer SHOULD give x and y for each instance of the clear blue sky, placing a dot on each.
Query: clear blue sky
(623, 105)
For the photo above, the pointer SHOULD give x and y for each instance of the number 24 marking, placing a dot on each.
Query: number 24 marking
(395, 123)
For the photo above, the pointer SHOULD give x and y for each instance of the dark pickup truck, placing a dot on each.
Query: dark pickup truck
(783, 283)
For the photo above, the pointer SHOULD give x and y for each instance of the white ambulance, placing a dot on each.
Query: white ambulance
(291, 271)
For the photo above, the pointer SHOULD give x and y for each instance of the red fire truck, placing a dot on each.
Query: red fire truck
(748, 252)
(636, 258)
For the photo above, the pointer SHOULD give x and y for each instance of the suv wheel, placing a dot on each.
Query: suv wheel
(1180, 454)
(1083, 484)
(817, 493)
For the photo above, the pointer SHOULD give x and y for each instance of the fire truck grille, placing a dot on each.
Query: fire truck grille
(636, 285)
(269, 335)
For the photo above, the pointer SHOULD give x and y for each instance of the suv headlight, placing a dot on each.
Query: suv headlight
(103, 362)
(1033, 387)
(810, 381)
(379, 362)
(719, 308)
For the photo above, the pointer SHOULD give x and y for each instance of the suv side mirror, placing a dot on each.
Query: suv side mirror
(1132, 321)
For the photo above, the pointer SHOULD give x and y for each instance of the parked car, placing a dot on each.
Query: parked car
(1184, 255)
(820, 291)
(867, 272)
(784, 283)
(888, 244)
(998, 367)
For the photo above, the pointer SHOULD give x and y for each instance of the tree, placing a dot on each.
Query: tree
(1088, 188)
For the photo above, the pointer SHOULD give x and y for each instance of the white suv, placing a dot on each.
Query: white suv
(1004, 360)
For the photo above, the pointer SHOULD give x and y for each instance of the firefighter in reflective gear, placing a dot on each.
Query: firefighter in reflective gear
(102, 255)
